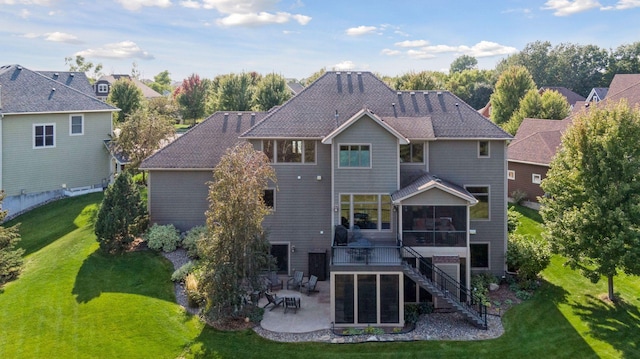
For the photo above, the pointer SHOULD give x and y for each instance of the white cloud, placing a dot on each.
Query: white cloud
(134, 5)
(623, 5)
(361, 30)
(481, 49)
(344, 66)
(26, 2)
(240, 6)
(190, 4)
(390, 52)
(412, 43)
(24, 13)
(62, 37)
(120, 50)
(568, 7)
(262, 18)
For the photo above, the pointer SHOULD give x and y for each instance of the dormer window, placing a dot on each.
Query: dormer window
(103, 88)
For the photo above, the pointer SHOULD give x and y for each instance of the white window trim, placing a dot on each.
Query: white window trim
(33, 135)
(488, 149)
(358, 167)
(351, 212)
(536, 178)
(71, 124)
(511, 174)
(274, 143)
(488, 267)
(488, 202)
(423, 154)
(103, 88)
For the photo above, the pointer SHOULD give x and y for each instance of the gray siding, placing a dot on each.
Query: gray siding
(381, 178)
(75, 161)
(179, 197)
(302, 215)
(457, 161)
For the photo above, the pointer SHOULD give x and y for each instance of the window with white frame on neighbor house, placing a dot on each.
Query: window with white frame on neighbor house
(290, 151)
(511, 174)
(536, 178)
(103, 88)
(76, 125)
(412, 153)
(481, 209)
(355, 156)
(44, 135)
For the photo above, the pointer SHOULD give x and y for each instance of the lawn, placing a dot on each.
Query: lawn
(72, 301)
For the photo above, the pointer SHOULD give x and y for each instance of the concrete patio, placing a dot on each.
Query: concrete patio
(313, 314)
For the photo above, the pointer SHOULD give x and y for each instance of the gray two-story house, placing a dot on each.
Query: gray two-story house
(394, 196)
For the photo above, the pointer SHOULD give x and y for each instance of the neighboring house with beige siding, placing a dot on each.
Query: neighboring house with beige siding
(52, 132)
(395, 197)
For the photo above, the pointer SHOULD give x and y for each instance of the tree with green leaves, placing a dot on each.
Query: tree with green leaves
(122, 215)
(314, 76)
(235, 250)
(591, 213)
(271, 91)
(624, 60)
(472, 86)
(80, 64)
(463, 62)
(141, 134)
(511, 87)
(191, 96)
(161, 82)
(235, 92)
(10, 256)
(551, 105)
(126, 96)
(424, 80)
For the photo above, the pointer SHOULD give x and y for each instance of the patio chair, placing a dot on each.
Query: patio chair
(273, 282)
(272, 298)
(341, 237)
(310, 285)
(296, 280)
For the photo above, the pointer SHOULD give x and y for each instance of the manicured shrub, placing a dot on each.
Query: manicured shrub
(513, 219)
(519, 196)
(527, 256)
(164, 237)
(190, 241)
(480, 286)
(181, 273)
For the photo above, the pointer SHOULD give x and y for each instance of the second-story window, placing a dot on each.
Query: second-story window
(76, 125)
(103, 88)
(44, 135)
(355, 156)
(412, 153)
(290, 151)
(483, 149)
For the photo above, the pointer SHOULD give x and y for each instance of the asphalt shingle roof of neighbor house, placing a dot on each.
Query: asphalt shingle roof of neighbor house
(26, 91)
(571, 96)
(203, 145)
(77, 80)
(336, 96)
(147, 91)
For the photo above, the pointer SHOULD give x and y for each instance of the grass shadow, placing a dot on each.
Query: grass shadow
(139, 273)
(44, 225)
(615, 323)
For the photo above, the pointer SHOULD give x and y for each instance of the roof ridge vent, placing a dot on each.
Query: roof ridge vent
(399, 93)
(439, 93)
(412, 93)
(72, 74)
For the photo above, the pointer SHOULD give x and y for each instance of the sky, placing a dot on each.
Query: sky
(296, 38)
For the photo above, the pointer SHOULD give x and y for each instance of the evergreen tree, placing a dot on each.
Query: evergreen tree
(10, 257)
(122, 215)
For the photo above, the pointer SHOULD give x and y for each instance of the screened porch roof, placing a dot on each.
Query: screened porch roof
(427, 182)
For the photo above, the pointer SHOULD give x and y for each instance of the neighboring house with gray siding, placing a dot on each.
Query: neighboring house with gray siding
(417, 179)
(52, 130)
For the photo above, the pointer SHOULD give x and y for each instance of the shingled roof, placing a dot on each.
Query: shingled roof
(26, 91)
(428, 181)
(336, 97)
(537, 140)
(203, 145)
(75, 79)
(571, 96)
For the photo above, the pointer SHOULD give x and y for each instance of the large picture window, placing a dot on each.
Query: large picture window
(367, 211)
(481, 209)
(290, 151)
(367, 298)
(412, 153)
(355, 156)
(44, 135)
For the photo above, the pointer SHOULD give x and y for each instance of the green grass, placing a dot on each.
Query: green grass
(72, 301)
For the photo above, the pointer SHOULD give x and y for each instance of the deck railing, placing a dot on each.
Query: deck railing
(373, 255)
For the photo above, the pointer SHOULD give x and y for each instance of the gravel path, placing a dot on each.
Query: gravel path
(434, 326)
